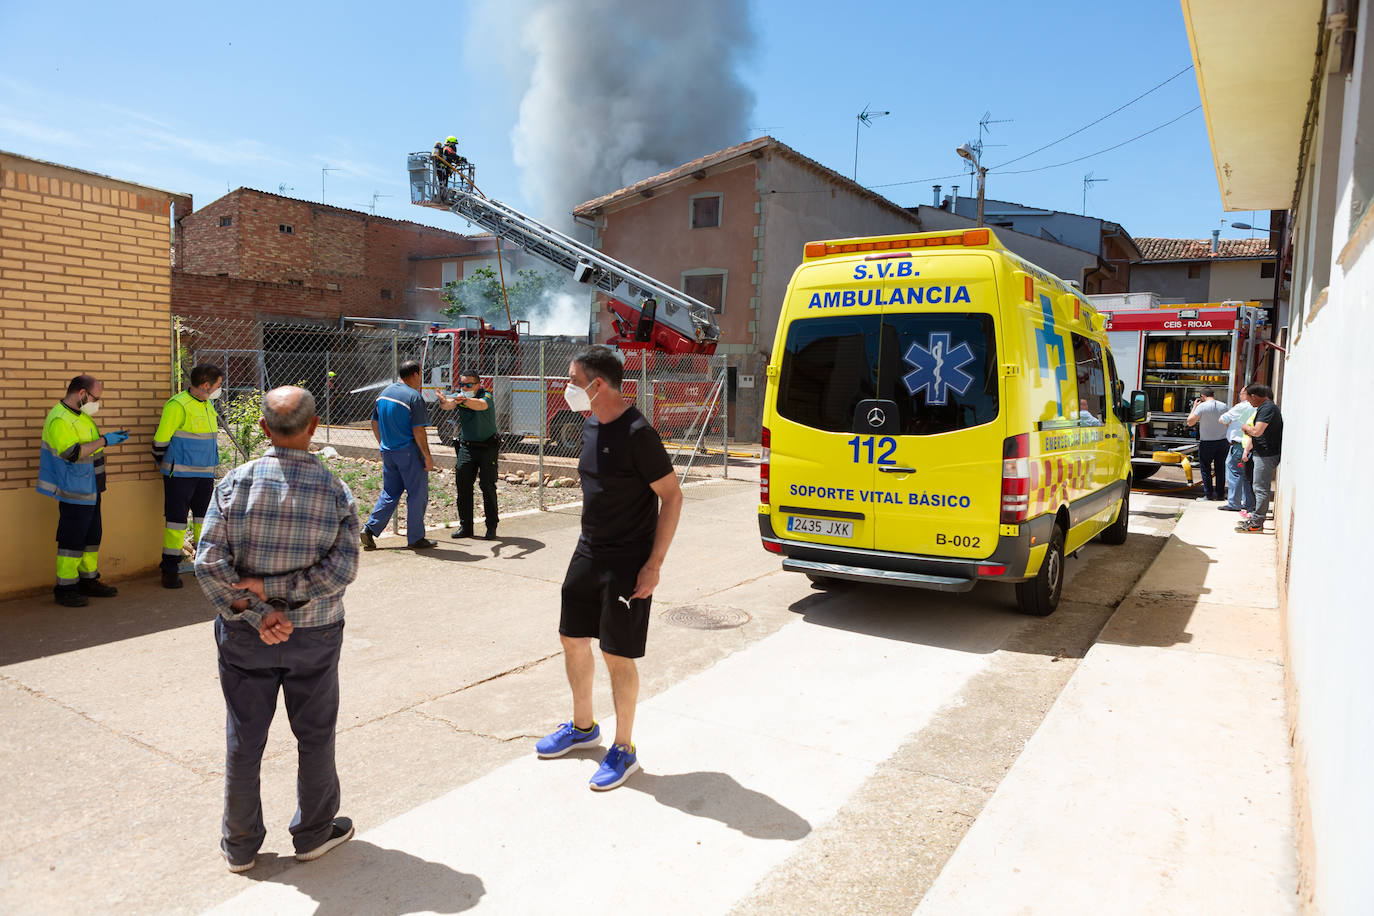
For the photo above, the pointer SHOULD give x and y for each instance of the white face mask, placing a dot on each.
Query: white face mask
(90, 408)
(214, 395)
(577, 398)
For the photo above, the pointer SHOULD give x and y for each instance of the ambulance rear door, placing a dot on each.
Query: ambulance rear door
(938, 450)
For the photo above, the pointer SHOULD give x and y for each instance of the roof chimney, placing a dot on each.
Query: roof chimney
(1216, 240)
(954, 201)
(936, 189)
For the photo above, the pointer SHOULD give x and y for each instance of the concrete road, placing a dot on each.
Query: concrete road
(806, 751)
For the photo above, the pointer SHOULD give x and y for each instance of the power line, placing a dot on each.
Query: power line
(1098, 121)
(893, 184)
(1101, 151)
(1157, 86)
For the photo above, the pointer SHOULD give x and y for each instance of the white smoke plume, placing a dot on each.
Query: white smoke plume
(618, 90)
(563, 313)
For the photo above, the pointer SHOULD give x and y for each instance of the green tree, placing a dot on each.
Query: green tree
(480, 294)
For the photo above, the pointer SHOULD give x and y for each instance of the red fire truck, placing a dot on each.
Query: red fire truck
(508, 362)
(1174, 351)
(665, 321)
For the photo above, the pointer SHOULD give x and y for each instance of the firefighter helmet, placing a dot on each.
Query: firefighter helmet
(451, 140)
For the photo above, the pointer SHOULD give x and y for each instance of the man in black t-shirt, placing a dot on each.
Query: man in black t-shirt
(1266, 433)
(631, 502)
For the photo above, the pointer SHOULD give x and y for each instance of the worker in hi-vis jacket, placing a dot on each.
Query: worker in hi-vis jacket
(71, 469)
(187, 452)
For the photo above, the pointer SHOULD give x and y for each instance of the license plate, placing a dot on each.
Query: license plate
(825, 527)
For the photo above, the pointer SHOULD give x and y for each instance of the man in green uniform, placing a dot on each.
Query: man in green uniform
(187, 452)
(477, 454)
(71, 469)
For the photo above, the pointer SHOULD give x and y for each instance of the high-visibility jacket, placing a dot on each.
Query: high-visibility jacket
(62, 474)
(185, 443)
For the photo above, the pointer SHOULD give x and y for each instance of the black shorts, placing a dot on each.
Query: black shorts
(596, 603)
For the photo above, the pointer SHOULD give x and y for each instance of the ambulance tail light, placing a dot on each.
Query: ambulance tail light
(1015, 479)
(992, 570)
(763, 466)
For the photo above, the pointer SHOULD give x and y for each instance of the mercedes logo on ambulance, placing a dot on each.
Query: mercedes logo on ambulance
(876, 417)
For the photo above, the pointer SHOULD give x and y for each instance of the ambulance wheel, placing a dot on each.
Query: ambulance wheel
(1040, 596)
(1115, 533)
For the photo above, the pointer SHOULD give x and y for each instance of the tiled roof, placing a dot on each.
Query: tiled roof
(1201, 249)
(757, 145)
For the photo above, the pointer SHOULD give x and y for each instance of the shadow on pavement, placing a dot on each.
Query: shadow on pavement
(523, 547)
(36, 627)
(1162, 617)
(720, 797)
(976, 621)
(360, 877)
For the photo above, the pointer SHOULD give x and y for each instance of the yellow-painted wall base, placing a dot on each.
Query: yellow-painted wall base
(131, 543)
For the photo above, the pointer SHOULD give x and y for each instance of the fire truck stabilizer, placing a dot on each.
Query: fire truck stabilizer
(665, 319)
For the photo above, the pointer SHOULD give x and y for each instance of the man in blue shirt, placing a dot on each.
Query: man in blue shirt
(400, 422)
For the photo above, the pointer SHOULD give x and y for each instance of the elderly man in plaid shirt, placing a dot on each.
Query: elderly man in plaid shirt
(279, 546)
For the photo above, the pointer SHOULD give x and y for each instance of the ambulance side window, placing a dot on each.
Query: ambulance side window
(1092, 381)
(828, 366)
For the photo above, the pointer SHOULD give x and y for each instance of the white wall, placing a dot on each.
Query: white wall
(1326, 505)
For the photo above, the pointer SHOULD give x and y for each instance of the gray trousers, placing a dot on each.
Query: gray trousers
(1265, 470)
(306, 669)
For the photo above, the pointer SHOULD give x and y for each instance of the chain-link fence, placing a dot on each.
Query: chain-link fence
(345, 368)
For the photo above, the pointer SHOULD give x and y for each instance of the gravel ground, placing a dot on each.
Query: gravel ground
(364, 478)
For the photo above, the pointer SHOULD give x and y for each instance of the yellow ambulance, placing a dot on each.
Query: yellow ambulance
(940, 411)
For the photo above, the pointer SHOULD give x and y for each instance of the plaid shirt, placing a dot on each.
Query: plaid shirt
(287, 519)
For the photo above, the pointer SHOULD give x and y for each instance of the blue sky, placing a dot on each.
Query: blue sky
(199, 98)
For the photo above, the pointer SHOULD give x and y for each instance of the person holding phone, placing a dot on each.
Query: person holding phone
(1212, 445)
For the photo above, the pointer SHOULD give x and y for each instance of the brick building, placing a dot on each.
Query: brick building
(262, 256)
(85, 264)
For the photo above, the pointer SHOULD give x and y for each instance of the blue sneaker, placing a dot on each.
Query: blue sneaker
(618, 765)
(565, 738)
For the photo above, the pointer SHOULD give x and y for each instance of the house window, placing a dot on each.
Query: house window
(1194, 271)
(1266, 270)
(386, 294)
(706, 211)
(226, 221)
(707, 286)
(285, 228)
(291, 281)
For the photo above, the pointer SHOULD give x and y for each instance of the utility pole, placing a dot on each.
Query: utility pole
(322, 174)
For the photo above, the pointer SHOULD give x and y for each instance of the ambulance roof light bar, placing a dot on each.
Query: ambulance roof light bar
(968, 238)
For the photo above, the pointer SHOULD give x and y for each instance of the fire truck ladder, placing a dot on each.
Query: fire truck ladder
(685, 314)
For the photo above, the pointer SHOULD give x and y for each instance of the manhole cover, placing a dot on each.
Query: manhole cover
(697, 617)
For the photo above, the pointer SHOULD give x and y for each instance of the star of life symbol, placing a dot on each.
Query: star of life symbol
(938, 369)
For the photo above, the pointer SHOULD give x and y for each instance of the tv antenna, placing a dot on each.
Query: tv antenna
(322, 174)
(977, 146)
(1088, 182)
(283, 188)
(375, 195)
(866, 118)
